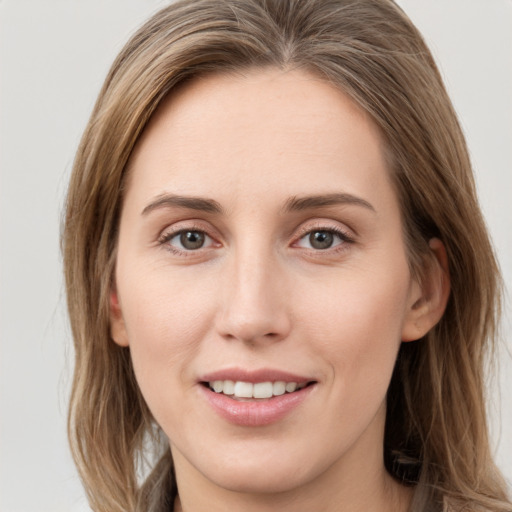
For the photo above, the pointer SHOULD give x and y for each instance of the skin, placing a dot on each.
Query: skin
(258, 294)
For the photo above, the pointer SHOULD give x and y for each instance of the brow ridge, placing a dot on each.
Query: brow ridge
(190, 203)
(324, 200)
(293, 204)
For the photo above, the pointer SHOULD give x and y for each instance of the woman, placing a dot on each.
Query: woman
(280, 285)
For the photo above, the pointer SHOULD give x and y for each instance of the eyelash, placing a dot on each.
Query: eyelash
(167, 236)
(343, 236)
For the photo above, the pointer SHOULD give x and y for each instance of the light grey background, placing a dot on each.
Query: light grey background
(54, 55)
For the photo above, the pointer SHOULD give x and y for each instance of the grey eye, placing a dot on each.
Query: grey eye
(191, 240)
(187, 240)
(321, 239)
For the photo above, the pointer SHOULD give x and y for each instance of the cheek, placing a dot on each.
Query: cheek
(165, 323)
(357, 326)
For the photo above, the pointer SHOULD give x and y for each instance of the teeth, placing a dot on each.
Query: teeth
(229, 387)
(291, 387)
(218, 386)
(262, 390)
(279, 388)
(242, 389)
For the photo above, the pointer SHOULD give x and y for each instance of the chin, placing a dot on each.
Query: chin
(265, 471)
(260, 481)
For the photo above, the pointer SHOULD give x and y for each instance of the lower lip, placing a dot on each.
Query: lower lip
(256, 413)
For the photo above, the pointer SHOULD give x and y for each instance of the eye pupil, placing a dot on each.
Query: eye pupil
(192, 239)
(321, 239)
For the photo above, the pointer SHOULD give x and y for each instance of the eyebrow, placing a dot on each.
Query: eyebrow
(293, 204)
(324, 200)
(191, 203)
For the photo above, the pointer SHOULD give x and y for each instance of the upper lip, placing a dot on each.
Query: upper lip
(259, 375)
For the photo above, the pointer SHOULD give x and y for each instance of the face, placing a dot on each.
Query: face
(262, 283)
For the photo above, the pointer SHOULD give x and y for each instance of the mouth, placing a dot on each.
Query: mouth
(255, 398)
(254, 391)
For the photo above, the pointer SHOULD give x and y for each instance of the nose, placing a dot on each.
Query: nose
(255, 307)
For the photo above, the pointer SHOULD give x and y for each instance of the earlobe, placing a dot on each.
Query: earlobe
(429, 298)
(117, 325)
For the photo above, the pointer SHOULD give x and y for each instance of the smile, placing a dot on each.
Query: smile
(261, 390)
(255, 398)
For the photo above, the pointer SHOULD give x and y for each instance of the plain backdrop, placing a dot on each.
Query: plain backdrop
(54, 55)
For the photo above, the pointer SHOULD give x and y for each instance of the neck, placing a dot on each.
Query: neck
(388, 496)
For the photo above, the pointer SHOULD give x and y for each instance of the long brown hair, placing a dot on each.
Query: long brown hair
(436, 434)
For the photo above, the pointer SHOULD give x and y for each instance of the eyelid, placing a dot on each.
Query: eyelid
(324, 225)
(170, 236)
(169, 232)
(345, 235)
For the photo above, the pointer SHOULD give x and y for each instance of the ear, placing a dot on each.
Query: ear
(117, 326)
(428, 299)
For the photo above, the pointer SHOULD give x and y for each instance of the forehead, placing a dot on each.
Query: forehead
(225, 134)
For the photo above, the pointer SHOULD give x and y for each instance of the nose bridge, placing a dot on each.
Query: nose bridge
(254, 304)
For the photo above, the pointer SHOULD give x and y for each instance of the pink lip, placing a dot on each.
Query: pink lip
(257, 413)
(261, 375)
